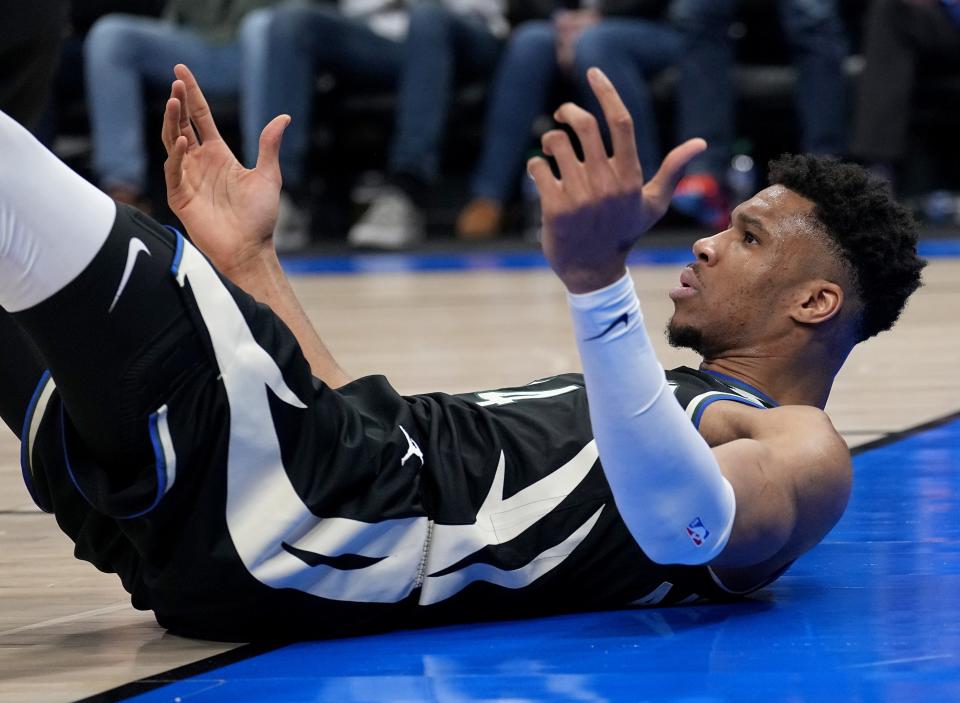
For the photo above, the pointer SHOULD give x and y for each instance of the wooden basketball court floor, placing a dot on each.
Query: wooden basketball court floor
(872, 614)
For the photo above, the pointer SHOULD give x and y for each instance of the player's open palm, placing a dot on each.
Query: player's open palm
(230, 211)
(598, 208)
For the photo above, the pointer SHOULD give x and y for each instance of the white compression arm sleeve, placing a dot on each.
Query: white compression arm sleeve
(52, 222)
(665, 480)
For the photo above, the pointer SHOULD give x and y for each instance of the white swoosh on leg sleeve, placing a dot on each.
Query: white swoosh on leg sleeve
(136, 246)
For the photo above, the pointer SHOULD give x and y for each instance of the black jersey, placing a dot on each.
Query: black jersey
(516, 513)
(277, 506)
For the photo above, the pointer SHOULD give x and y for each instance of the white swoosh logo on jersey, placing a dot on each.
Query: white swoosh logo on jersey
(509, 397)
(263, 508)
(264, 511)
(500, 520)
(438, 588)
(135, 248)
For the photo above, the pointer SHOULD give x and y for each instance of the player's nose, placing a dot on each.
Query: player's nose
(706, 249)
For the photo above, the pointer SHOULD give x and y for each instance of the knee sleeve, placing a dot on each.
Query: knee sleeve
(20, 370)
(118, 339)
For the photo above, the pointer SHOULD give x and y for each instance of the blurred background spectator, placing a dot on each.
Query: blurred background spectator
(216, 38)
(423, 51)
(630, 40)
(901, 39)
(369, 69)
(30, 38)
(706, 96)
(66, 116)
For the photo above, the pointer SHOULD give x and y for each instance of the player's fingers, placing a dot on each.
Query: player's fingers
(198, 111)
(548, 187)
(660, 189)
(171, 124)
(585, 127)
(179, 91)
(625, 160)
(268, 158)
(573, 180)
(173, 166)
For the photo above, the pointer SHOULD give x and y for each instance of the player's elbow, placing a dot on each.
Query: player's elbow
(676, 539)
(759, 537)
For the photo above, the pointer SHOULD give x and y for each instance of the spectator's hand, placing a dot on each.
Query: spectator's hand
(229, 211)
(568, 25)
(600, 206)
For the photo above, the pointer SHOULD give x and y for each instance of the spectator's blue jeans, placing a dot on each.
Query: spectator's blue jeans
(706, 97)
(627, 50)
(522, 84)
(303, 41)
(124, 52)
(630, 52)
(442, 49)
(306, 40)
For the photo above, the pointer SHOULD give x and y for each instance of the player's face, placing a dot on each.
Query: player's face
(737, 293)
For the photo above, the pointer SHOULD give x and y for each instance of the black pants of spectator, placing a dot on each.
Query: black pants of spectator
(30, 35)
(900, 39)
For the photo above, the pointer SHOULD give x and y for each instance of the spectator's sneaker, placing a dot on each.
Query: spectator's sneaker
(391, 222)
(701, 196)
(292, 232)
(480, 219)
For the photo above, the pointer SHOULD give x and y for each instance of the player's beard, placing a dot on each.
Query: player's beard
(686, 337)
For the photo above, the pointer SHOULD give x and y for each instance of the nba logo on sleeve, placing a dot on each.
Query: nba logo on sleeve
(698, 532)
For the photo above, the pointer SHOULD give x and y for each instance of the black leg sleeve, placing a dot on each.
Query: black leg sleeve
(20, 371)
(117, 339)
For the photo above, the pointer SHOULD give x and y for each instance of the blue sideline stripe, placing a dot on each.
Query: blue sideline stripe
(478, 261)
(940, 248)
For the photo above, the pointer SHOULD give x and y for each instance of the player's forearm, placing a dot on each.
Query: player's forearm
(264, 279)
(664, 478)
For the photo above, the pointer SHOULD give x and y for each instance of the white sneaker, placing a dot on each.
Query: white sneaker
(391, 222)
(292, 232)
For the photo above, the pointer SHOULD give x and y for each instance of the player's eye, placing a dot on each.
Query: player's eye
(750, 238)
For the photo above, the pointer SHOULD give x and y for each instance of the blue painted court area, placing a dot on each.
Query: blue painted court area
(873, 614)
(485, 260)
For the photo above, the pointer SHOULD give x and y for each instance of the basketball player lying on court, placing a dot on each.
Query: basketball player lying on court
(207, 448)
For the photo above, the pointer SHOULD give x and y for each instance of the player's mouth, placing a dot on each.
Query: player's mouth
(689, 285)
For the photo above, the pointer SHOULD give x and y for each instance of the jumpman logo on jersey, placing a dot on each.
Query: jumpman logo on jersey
(135, 248)
(413, 450)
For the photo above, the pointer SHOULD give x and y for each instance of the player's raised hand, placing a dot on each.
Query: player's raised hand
(598, 208)
(230, 211)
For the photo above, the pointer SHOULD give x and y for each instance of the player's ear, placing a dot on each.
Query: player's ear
(817, 301)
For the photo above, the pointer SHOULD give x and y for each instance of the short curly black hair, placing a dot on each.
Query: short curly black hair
(875, 235)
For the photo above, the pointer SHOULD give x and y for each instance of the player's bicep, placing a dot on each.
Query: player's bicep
(766, 507)
(791, 483)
